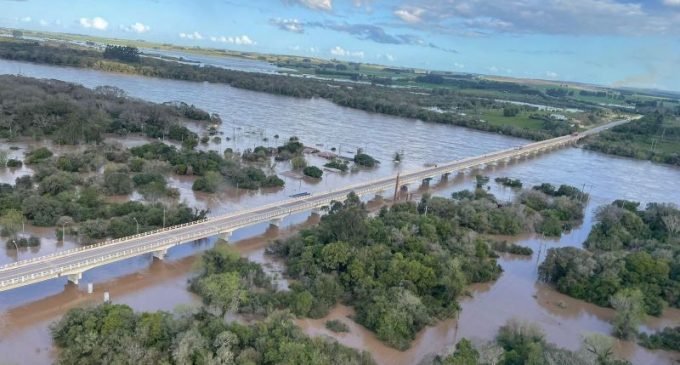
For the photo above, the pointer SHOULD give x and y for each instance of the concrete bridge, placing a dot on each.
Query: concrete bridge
(72, 263)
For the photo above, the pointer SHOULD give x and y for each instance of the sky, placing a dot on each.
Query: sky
(607, 42)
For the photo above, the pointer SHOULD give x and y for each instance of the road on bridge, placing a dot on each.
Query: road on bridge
(72, 263)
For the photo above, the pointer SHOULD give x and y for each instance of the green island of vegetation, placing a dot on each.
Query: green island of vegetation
(630, 261)
(520, 342)
(401, 270)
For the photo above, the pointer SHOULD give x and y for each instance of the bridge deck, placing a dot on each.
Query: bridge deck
(76, 261)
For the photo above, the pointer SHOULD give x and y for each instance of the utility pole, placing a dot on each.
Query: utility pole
(396, 187)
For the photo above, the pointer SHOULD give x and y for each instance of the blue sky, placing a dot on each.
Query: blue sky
(608, 42)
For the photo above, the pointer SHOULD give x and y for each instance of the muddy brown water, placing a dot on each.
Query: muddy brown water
(250, 117)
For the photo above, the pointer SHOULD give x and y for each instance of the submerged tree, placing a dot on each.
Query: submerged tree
(629, 305)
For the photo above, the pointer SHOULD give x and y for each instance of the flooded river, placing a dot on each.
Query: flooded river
(251, 117)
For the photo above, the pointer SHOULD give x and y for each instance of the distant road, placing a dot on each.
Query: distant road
(72, 263)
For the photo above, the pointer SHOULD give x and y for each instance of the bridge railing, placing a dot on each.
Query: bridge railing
(313, 201)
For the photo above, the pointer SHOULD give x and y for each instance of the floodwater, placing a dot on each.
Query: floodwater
(250, 117)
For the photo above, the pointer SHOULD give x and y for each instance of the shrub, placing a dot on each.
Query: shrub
(365, 160)
(313, 171)
(298, 163)
(337, 164)
(14, 163)
(337, 326)
(38, 155)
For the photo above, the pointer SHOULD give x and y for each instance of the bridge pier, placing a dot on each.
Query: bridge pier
(74, 278)
(160, 254)
(276, 222)
(225, 236)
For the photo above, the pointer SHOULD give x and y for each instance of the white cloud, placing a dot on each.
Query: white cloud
(493, 69)
(26, 19)
(242, 40)
(325, 5)
(410, 15)
(290, 25)
(313, 49)
(572, 17)
(136, 27)
(194, 35)
(95, 23)
(44, 22)
(551, 74)
(458, 65)
(339, 51)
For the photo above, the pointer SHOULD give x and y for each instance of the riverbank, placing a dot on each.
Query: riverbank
(403, 102)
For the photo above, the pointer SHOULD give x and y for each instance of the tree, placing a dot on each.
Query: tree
(510, 111)
(122, 53)
(629, 305)
(224, 291)
(298, 163)
(672, 223)
(599, 346)
(3, 158)
(313, 171)
(465, 354)
(208, 183)
(11, 222)
(117, 181)
(365, 160)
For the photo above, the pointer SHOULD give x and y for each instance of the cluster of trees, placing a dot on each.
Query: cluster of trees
(121, 53)
(363, 159)
(58, 195)
(115, 334)
(337, 163)
(532, 211)
(511, 111)
(312, 171)
(72, 114)
(667, 339)
(631, 260)
(211, 168)
(401, 270)
(642, 139)
(506, 181)
(371, 98)
(521, 342)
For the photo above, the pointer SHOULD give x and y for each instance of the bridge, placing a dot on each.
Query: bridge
(74, 262)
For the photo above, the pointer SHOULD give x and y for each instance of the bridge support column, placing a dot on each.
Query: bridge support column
(225, 236)
(74, 278)
(160, 254)
(276, 222)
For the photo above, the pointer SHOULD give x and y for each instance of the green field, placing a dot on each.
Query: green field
(522, 120)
